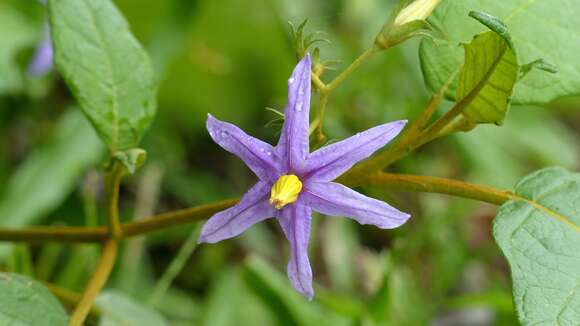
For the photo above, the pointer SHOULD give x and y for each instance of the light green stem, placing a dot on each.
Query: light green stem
(175, 266)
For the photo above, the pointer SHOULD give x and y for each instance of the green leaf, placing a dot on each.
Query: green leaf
(539, 29)
(119, 309)
(540, 236)
(105, 67)
(23, 301)
(289, 306)
(487, 78)
(16, 33)
(50, 172)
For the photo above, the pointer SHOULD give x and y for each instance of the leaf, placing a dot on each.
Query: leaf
(16, 33)
(488, 76)
(539, 29)
(50, 172)
(105, 67)
(119, 309)
(23, 301)
(290, 307)
(540, 236)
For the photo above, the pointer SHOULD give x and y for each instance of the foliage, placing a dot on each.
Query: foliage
(477, 58)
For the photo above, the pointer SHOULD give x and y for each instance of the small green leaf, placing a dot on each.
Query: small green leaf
(487, 78)
(540, 236)
(106, 68)
(24, 301)
(131, 159)
(118, 309)
(538, 29)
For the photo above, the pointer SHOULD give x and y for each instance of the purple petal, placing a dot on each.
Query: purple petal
(329, 162)
(293, 144)
(253, 208)
(41, 62)
(259, 156)
(334, 199)
(295, 222)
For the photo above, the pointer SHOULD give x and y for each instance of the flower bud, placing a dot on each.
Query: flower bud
(418, 10)
(406, 22)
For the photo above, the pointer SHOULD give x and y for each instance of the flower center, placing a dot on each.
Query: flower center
(285, 191)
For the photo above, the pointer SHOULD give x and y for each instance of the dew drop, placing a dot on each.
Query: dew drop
(224, 134)
(269, 153)
(261, 150)
(299, 106)
(290, 80)
(358, 134)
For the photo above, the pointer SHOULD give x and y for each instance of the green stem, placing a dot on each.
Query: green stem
(100, 234)
(325, 90)
(320, 138)
(442, 186)
(96, 283)
(413, 136)
(112, 184)
(175, 266)
(350, 69)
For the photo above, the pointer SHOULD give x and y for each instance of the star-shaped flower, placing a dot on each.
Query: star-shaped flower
(293, 181)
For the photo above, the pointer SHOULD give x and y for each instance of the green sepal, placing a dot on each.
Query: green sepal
(130, 160)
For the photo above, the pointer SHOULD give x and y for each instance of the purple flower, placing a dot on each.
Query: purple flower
(41, 62)
(293, 182)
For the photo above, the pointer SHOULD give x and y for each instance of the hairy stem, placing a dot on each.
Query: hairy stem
(442, 186)
(96, 283)
(100, 234)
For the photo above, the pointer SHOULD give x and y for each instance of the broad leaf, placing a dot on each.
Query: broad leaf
(487, 78)
(539, 29)
(105, 67)
(540, 236)
(50, 172)
(119, 309)
(23, 301)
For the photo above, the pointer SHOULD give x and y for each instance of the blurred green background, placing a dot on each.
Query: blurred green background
(232, 59)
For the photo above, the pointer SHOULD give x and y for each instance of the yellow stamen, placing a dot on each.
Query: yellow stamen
(285, 191)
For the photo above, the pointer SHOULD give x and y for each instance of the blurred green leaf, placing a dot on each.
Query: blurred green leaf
(289, 306)
(539, 30)
(50, 172)
(16, 33)
(118, 309)
(536, 139)
(540, 237)
(230, 302)
(105, 67)
(23, 301)
(399, 300)
(488, 76)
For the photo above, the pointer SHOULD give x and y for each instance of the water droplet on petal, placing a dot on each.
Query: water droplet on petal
(290, 80)
(358, 134)
(261, 150)
(299, 106)
(269, 153)
(224, 134)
